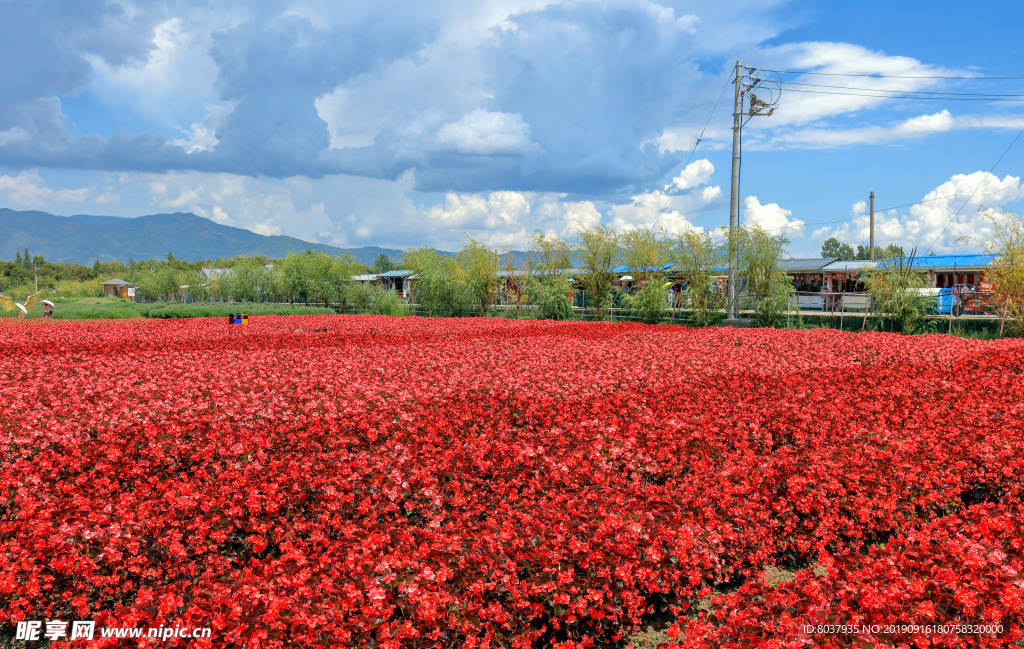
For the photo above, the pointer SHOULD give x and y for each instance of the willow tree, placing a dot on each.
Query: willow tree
(759, 256)
(548, 285)
(697, 256)
(646, 252)
(598, 251)
(480, 271)
(894, 291)
(1006, 245)
(439, 284)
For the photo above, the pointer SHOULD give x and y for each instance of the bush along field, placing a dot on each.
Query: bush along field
(406, 482)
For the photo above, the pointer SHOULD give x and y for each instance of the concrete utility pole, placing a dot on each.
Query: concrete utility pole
(732, 310)
(872, 226)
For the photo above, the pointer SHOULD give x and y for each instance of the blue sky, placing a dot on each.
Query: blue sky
(353, 126)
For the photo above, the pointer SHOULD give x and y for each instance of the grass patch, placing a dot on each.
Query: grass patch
(222, 310)
(100, 308)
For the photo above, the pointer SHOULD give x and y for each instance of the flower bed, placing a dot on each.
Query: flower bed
(374, 481)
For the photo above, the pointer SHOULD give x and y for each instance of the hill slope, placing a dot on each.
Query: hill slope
(86, 238)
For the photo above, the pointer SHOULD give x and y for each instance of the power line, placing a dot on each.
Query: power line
(700, 137)
(914, 92)
(854, 94)
(892, 76)
(987, 174)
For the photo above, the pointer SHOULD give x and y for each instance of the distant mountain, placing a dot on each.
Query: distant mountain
(84, 238)
(95, 218)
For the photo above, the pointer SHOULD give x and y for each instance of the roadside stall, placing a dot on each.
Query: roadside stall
(845, 285)
(808, 281)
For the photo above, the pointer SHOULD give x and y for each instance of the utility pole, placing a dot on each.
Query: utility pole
(732, 310)
(872, 226)
(746, 84)
(37, 276)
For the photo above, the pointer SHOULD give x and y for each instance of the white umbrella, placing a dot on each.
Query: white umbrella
(48, 302)
(626, 278)
(24, 311)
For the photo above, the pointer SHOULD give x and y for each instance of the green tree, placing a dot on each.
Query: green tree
(887, 252)
(552, 297)
(833, 248)
(547, 282)
(383, 264)
(766, 281)
(1006, 245)
(480, 270)
(598, 251)
(297, 280)
(439, 284)
(553, 254)
(697, 256)
(17, 259)
(893, 289)
(646, 252)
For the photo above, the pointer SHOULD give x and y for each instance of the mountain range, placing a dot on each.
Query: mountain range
(85, 238)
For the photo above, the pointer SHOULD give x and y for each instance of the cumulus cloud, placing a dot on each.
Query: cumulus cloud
(674, 209)
(482, 132)
(944, 215)
(771, 217)
(28, 189)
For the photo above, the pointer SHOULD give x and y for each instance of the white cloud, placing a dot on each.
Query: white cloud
(801, 104)
(771, 217)
(674, 209)
(13, 135)
(220, 216)
(29, 189)
(936, 219)
(482, 132)
(695, 174)
(499, 219)
(177, 78)
(561, 218)
(824, 138)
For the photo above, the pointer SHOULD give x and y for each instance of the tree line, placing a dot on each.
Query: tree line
(475, 279)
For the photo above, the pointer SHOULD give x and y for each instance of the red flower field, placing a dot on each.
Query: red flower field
(404, 482)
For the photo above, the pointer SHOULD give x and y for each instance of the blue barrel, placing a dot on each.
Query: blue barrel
(945, 301)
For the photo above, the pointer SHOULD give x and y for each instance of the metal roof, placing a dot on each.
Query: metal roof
(365, 278)
(944, 262)
(839, 265)
(815, 263)
(115, 281)
(213, 273)
(397, 273)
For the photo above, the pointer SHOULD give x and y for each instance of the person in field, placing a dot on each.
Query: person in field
(47, 309)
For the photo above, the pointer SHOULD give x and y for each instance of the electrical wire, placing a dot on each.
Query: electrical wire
(987, 174)
(892, 76)
(855, 94)
(914, 92)
(700, 137)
